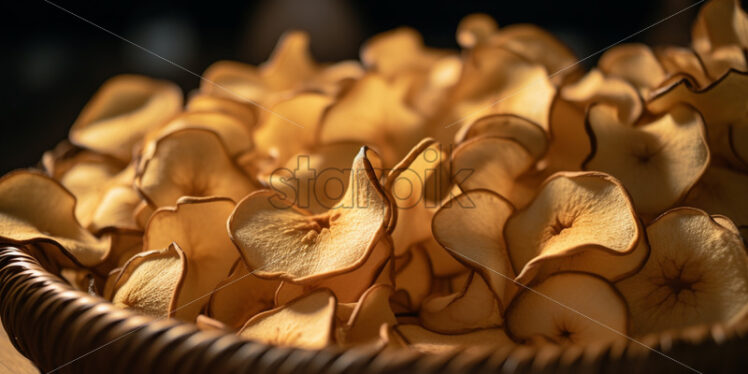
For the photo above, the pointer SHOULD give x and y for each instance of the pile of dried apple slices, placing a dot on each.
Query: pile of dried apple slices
(421, 198)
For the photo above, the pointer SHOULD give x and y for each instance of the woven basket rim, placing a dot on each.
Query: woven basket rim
(65, 314)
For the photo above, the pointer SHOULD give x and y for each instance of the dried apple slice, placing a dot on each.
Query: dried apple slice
(474, 307)
(568, 308)
(682, 61)
(240, 296)
(414, 277)
(417, 184)
(280, 240)
(275, 137)
(523, 131)
(569, 144)
(87, 178)
(372, 311)
(658, 162)
(150, 281)
(443, 264)
(191, 162)
(697, 273)
(234, 133)
(574, 213)
(470, 227)
(307, 322)
(425, 341)
(36, 208)
(635, 63)
(721, 191)
(396, 51)
(494, 164)
(347, 287)
(371, 113)
(201, 102)
(475, 29)
(596, 87)
(199, 228)
(720, 25)
(116, 210)
(122, 111)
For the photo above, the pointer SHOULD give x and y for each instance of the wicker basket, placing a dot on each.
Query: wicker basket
(64, 330)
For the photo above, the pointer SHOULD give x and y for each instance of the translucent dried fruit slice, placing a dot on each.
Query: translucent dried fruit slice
(191, 162)
(371, 112)
(280, 240)
(682, 61)
(568, 308)
(474, 307)
(234, 133)
(721, 26)
(697, 273)
(244, 112)
(443, 264)
(721, 191)
(635, 63)
(596, 87)
(122, 111)
(414, 278)
(470, 227)
(425, 341)
(492, 163)
(306, 322)
(36, 208)
(572, 214)
(569, 145)
(372, 311)
(240, 296)
(397, 51)
(150, 281)
(523, 131)
(199, 228)
(658, 162)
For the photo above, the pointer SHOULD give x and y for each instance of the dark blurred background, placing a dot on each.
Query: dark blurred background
(54, 61)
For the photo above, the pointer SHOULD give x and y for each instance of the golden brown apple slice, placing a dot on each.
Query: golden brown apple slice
(720, 25)
(682, 61)
(306, 322)
(191, 162)
(417, 184)
(475, 29)
(443, 264)
(474, 307)
(414, 277)
(116, 210)
(572, 214)
(199, 228)
(523, 131)
(635, 63)
(721, 191)
(425, 341)
(596, 87)
(122, 111)
(280, 240)
(244, 112)
(349, 286)
(35, 208)
(371, 312)
(492, 163)
(568, 308)
(372, 113)
(658, 162)
(240, 296)
(470, 227)
(569, 145)
(235, 134)
(697, 272)
(397, 51)
(150, 281)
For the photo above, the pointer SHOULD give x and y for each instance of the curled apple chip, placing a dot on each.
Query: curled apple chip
(721, 191)
(396, 51)
(658, 162)
(413, 277)
(475, 29)
(199, 228)
(349, 286)
(307, 322)
(470, 227)
(36, 208)
(425, 341)
(493, 163)
(150, 281)
(234, 133)
(635, 63)
(122, 111)
(201, 102)
(191, 162)
(596, 87)
(721, 26)
(116, 210)
(474, 307)
(523, 131)
(682, 61)
(240, 296)
(697, 273)
(574, 213)
(443, 264)
(371, 312)
(281, 240)
(372, 113)
(568, 308)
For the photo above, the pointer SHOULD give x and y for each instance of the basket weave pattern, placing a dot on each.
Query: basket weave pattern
(64, 330)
